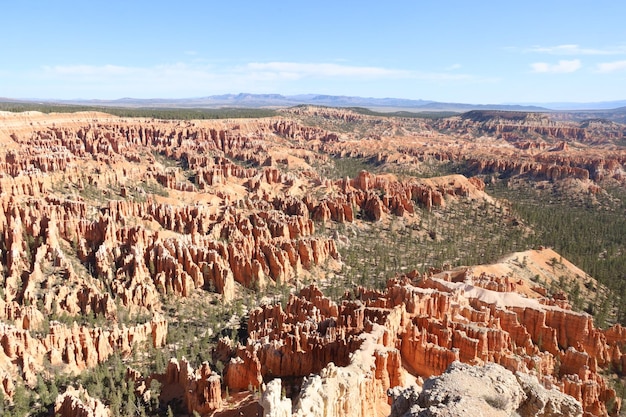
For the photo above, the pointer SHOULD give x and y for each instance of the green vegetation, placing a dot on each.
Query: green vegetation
(337, 168)
(486, 115)
(152, 188)
(106, 382)
(588, 231)
(153, 113)
(462, 233)
(406, 114)
(428, 114)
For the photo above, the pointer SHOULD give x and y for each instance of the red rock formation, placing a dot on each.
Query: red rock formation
(73, 349)
(95, 208)
(198, 390)
(244, 370)
(78, 403)
(433, 322)
(311, 333)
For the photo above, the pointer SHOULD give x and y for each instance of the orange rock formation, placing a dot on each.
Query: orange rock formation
(421, 327)
(73, 349)
(78, 403)
(98, 212)
(199, 390)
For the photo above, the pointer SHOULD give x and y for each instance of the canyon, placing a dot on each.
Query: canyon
(115, 228)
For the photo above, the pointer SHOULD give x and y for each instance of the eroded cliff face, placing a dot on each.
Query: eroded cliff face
(94, 189)
(198, 390)
(101, 215)
(419, 327)
(87, 227)
(70, 349)
(77, 403)
(531, 146)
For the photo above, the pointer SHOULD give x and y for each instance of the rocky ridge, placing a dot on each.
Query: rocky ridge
(70, 349)
(487, 390)
(77, 403)
(419, 327)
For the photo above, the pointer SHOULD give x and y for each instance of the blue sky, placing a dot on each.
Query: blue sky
(454, 51)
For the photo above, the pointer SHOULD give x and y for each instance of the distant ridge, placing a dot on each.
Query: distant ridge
(273, 101)
(601, 105)
(277, 100)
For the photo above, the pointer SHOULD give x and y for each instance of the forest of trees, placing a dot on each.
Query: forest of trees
(590, 232)
(152, 113)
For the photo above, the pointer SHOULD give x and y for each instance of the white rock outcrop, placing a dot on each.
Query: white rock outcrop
(272, 401)
(490, 391)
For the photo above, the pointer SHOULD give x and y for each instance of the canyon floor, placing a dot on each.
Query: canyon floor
(320, 261)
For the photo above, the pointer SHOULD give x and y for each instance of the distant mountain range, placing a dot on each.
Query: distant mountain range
(601, 105)
(277, 100)
(379, 104)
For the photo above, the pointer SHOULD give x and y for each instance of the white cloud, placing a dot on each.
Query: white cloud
(294, 70)
(297, 71)
(254, 70)
(562, 67)
(606, 67)
(192, 79)
(88, 70)
(573, 49)
(444, 76)
(112, 81)
(195, 78)
(115, 72)
(453, 67)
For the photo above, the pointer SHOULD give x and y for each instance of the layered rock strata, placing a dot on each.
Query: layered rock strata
(77, 403)
(197, 390)
(69, 349)
(420, 327)
(99, 213)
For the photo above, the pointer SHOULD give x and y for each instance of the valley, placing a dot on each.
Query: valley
(311, 261)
